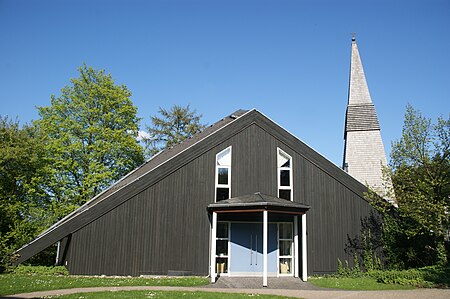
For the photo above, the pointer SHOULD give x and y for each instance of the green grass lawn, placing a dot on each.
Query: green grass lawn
(24, 283)
(426, 277)
(166, 295)
(360, 283)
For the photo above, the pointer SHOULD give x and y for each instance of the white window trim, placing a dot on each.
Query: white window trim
(291, 170)
(216, 177)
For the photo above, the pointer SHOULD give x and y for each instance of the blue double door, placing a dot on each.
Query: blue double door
(246, 250)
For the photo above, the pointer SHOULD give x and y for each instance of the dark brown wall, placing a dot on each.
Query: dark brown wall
(166, 227)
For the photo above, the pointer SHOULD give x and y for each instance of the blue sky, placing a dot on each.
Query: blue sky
(288, 59)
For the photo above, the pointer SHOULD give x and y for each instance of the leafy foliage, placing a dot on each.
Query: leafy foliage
(40, 270)
(421, 173)
(405, 277)
(422, 277)
(367, 247)
(344, 270)
(416, 233)
(21, 203)
(354, 283)
(88, 137)
(425, 277)
(171, 127)
(81, 144)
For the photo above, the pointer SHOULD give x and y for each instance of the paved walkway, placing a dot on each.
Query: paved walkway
(289, 287)
(313, 294)
(283, 283)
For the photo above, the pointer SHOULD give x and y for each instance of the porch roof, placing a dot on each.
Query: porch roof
(258, 202)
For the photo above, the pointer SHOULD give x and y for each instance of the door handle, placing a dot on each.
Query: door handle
(256, 245)
(251, 249)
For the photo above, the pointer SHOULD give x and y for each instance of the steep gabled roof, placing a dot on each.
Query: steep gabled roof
(169, 161)
(71, 222)
(151, 164)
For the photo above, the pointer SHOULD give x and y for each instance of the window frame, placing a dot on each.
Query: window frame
(216, 176)
(224, 258)
(290, 188)
(290, 257)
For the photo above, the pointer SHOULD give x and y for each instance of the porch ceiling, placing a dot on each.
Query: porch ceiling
(258, 202)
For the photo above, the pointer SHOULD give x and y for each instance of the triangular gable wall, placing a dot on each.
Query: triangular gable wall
(174, 159)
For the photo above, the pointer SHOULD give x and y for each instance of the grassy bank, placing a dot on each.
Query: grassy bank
(32, 279)
(427, 277)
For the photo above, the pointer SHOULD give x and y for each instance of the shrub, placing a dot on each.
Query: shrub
(356, 268)
(40, 270)
(432, 276)
(340, 268)
(421, 277)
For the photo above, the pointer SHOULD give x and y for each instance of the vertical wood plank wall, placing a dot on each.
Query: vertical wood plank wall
(166, 227)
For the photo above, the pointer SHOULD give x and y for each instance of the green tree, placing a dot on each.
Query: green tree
(417, 231)
(88, 135)
(171, 127)
(21, 203)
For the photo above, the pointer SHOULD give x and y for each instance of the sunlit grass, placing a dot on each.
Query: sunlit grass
(22, 283)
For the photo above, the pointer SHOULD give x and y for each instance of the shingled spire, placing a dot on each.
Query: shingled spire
(364, 153)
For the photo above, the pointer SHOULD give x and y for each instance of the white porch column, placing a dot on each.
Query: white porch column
(296, 255)
(265, 225)
(304, 249)
(213, 247)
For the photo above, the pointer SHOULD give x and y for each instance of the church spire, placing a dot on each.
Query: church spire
(358, 89)
(364, 154)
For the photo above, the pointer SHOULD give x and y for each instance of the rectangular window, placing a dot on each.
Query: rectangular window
(222, 246)
(285, 178)
(222, 193)
(285, 248)
(223, 174)
(284, 194)
(284, 170)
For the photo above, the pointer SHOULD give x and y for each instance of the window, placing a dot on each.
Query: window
(285, 247)
(223, 174)
(222, 239)
(284, 175)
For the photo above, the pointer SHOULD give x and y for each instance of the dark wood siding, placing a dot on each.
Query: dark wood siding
(336, 200)
(335, 214)
(254, 159)
(336, 211)
(165, 226)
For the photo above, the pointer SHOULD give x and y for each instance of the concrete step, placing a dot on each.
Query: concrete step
(288, 283)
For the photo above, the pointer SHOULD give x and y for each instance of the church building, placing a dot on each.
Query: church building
(242, 198)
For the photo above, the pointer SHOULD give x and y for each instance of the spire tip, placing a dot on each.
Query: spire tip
(353, 37)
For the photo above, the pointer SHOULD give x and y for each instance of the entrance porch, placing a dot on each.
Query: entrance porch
(258, 235)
